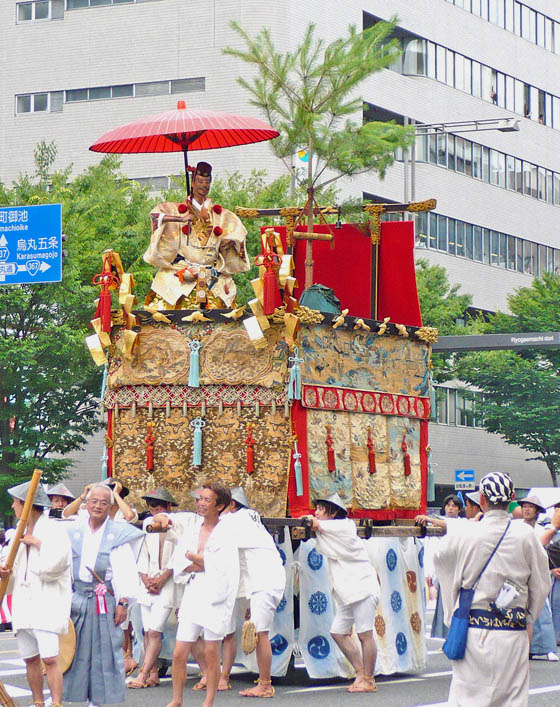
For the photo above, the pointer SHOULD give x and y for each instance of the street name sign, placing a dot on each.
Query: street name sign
(464, 480)
(30, 244)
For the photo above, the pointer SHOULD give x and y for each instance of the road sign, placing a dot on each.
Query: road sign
(30, 244)
(464, 480)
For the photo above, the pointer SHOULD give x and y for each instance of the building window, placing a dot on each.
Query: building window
(39, 10)
(77, 4)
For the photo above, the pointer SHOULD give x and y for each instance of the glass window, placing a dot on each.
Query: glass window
(494, 248)
(467, 77)
(510, 169)
(96, 94)
(432, 148)
(541, 38)
(460, 154)
(442, 232)
(534, 103)
(556, 189)
(511, 252)
(74, 4)
(421, 231)
(534, 177)
(23, 104)
(477, 243)
(550, 259)
(421, 148)
(549, 186)
(510, 93)
(476, 9)
(541, 98)
(459, 72)
(557, 261)
(501, 170)
(450, 61)
(519, 98)
(152, 88)
(465, 408)
(519, 176)
(451, 152)
(196, 84)
(476, 82)
(24, 14)
(541, 184)
(527, 178)
(441, 405)
(526, 100)
(517, 18)
(493, 11)
(488, 84)
(486, 246)
(125, 90)
(414, 56)
(451, 236)
(525, 24)
(469, 241)
(441, 152)
(502, 262)
(556, 37)
(530, 259)
(431, 60)
(42, 10)
(460, 238)
(520, 256)
(532, 26)
(477, 160)
(57, 9)
(40, 102)
(493, 167)
(440, 63)
(468, 158)
(57, 101)
(76, 94)
(509, 24)
(548, 34)
(432, 242)
(485, 164)
(501, 89)
(542, 260)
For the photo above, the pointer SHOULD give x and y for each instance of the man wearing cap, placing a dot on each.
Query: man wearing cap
(262, 581)
(60, 496)
(158, 590)
(354, 585)
(197, 246)
(495, 669)
(105, 582)
(41, 593)
(472, 505)
(543, 640)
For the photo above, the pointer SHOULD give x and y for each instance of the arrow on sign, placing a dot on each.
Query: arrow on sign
(24, 268)
(3, 240)
(464, 475)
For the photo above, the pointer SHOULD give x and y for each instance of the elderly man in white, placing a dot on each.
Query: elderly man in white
(262, 582)
(41, 593)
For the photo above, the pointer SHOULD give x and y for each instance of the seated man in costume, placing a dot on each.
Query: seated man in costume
(262, 582)
(41, 589)
(197, 246)
(105, 581)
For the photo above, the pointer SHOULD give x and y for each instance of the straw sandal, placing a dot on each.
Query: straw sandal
(153, 678)
(138, 683)
(269, 690)
(367, 686)
(224, 676)
(201, 684)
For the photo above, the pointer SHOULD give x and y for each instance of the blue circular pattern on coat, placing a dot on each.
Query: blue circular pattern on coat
(401, 643)
(421, 557)
(318, 647)
(391, 559)
(396, 601)
(282, 605)
(278, 644)
(282, 554)
(318, 603)
(315, 560)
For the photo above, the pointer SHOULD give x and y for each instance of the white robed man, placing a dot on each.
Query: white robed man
(206, 560)
(41, 590)
(262, 582)
(158, 591)
(105, 583)
(354, 586)
(495, 669)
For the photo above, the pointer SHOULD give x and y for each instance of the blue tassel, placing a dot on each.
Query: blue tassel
(433, 401)
(294, 385)
(197, 424)
(431, 490)
(104, 381)
(194, 364)
(104, 464)
(297, 471)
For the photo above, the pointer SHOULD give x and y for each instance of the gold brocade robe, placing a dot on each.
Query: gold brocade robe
(171, 251)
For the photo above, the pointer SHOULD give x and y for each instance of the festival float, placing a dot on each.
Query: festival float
(298, 394)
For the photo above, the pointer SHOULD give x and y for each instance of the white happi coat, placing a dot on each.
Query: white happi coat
(209, 596)
(261, 568)
(351, 574)
(153, 564)
(41, 584)
(495, 669)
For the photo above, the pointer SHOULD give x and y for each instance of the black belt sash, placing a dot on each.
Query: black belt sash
(514, 619)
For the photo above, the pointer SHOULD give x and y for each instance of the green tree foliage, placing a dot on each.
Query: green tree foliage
(521, 389)
(310, 95)
(441, 305)
(48, 383)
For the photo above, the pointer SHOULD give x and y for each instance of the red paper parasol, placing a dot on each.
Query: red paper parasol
(181, 130)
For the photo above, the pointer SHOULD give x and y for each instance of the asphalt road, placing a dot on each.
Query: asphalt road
(429, 689)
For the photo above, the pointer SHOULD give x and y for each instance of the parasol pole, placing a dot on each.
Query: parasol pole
(20, 528)
(186, 158)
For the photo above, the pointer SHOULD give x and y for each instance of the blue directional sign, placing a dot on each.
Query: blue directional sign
(464, 479)
(30, 244)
